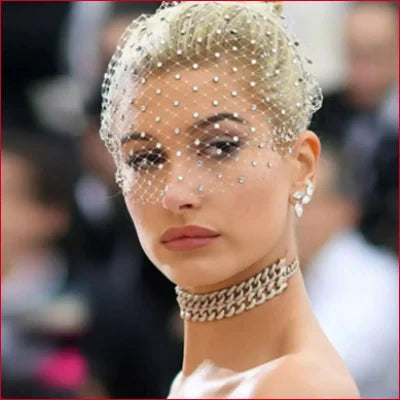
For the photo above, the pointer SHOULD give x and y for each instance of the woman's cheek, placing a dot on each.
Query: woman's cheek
(138, 218)
(265, 214)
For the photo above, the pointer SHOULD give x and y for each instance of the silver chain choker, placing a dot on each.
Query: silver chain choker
(226, 303)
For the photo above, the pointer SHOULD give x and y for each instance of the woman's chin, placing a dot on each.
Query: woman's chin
(193, 276)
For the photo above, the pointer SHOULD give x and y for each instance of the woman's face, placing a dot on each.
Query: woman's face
(242, 194)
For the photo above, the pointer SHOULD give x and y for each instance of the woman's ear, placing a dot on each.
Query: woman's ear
(306, 155)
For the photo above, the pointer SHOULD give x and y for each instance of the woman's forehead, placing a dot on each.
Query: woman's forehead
(182, 96)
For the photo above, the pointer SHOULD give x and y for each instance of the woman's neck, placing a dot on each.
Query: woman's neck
(257, 336)
(252, 338)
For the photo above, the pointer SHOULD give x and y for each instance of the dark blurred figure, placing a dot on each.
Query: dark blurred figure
(352, 285)
(364, 113)
(380, 218)
(39, 318)
(133, 346)
(30, 39)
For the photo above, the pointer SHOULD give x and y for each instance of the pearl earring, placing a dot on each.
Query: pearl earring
(303, 199)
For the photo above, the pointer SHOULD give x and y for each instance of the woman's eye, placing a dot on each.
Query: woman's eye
(221, 149)
(145, 161)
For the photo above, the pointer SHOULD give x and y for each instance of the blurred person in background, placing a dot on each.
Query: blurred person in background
(39, 320)
(370, 88)
(364, 113)
(352, 285)
(372, 47)
(380, 219)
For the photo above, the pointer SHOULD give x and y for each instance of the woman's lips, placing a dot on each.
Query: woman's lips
(188, 237)
(189, 243)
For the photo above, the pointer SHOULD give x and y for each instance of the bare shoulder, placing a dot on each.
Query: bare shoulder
(298, 376)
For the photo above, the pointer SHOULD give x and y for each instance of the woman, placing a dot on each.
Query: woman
(206, 108)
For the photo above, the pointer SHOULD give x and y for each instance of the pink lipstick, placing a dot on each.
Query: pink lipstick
(188, 237)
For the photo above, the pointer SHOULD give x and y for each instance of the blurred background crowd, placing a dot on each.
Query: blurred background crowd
(84, 313)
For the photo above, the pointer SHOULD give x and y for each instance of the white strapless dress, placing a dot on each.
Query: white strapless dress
(209, 381)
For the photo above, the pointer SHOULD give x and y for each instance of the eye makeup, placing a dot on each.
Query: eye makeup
(211, 142)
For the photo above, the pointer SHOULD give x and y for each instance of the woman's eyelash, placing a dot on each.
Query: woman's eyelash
(218, 149)
(145, 160)
(221, 149)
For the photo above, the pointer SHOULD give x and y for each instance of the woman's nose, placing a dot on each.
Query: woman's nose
(180, 194)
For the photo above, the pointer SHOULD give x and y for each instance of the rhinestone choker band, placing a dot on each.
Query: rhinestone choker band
(228, 302)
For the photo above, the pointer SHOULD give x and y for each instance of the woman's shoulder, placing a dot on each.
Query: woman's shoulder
(302, 376)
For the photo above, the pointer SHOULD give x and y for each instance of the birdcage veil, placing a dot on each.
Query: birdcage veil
(200, 93)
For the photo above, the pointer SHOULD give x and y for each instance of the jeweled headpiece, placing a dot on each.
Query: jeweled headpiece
(202, 95)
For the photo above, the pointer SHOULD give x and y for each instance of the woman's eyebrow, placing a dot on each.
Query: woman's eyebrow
(136, 136)
(217, 118)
